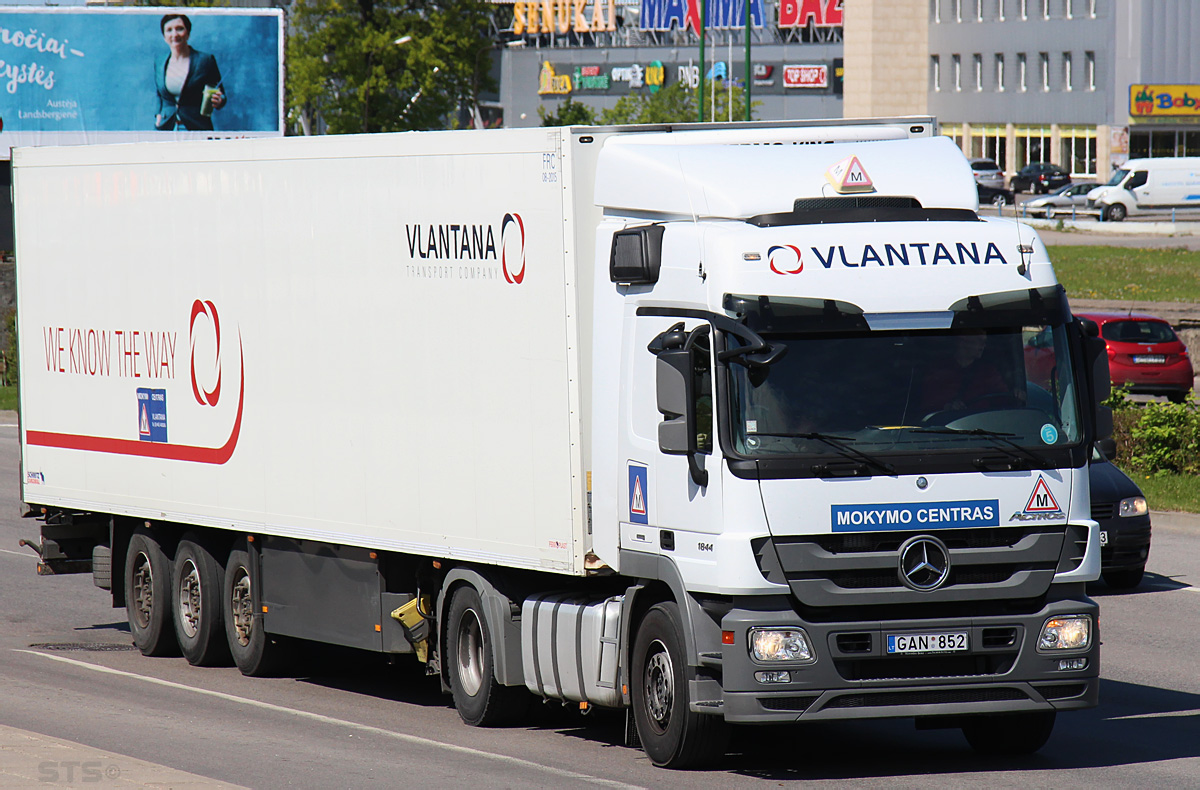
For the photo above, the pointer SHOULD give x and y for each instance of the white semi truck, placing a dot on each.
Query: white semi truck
(745, 424)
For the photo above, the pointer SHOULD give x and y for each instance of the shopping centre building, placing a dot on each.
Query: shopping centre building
(1085, 84)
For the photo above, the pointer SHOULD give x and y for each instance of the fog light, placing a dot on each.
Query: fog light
(779, 644)
(775, 676)
(1067, 664)
(1132, 506)
(1073, 632)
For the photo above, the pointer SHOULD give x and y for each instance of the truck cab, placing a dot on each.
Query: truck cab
(852, 436)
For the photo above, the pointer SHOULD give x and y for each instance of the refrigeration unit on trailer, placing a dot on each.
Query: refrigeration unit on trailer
(750, 423)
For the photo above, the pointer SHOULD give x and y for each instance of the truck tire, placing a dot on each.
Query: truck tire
(148, 596)
(255, 652)
(671, 734)
(196, 595)
(1114, 213)
(1009, 734)
(479, 698)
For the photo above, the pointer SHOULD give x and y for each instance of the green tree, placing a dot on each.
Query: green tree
(570, 113)
(345, 67)
(676, 103)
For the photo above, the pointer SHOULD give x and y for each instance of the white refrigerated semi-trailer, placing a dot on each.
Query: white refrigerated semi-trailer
(641, 417)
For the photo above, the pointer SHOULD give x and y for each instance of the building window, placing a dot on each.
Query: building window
(978, 10)
(1000, 73)
(1000, 10)
(1089, 63)
(1045, 9)
(1024, 4)
(1068, 8)
(1092, 8)
(957, 65)
(978, 62)
(1068, 81)
(957, 10)
(1033, 145)
(1044, 68)
(990, 142)
(1022, 85)
(937, 11)
(1078, 150)
(935, 72)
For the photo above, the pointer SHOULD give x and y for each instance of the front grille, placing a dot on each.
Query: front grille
(1102, 511)
(998, 637)
(862, 568)
(925, 667)
(854, 643)
(950, 697)
(787, 703)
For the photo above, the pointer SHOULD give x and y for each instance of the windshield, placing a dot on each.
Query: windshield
(889, 394)
(1117, 178)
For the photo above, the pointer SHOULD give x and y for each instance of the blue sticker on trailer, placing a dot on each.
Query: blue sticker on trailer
(916, 515)
(152, 415)
(639, 511)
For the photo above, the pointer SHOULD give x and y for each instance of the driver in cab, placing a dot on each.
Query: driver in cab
(968, 380)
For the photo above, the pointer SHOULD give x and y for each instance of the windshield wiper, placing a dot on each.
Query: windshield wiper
(1004, 443)
(841, 444)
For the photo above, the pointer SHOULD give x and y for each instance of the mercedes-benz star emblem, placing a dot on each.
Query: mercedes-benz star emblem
(924, 563)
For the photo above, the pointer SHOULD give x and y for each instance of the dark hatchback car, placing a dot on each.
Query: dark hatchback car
(994, 196)
(1040, 177)
(1120, 509)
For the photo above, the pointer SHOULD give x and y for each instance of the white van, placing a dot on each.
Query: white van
(1148, 185)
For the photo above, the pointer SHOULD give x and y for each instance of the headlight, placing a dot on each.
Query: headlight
(1073, 632)
(1133, 506)
(779, 644)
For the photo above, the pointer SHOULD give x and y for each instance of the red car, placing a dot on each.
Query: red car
(1145, 352)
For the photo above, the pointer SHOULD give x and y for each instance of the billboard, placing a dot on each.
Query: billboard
(1152, 101)
(99, 75)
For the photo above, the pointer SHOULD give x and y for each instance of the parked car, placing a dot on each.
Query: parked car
(1158, 184)
(1124, 518)
(1064, 200)
(988, 173)
(1039, 178)
(995, 196)
(1145, 352)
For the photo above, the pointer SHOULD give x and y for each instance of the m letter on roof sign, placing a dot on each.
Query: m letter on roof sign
(638, 509)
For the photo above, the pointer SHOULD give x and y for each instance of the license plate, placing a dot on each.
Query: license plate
(1104, 538)
(1149, 359)
(927, 643)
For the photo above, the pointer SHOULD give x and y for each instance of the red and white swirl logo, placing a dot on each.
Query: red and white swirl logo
(512, 248)
(785, 259)
(204, 331)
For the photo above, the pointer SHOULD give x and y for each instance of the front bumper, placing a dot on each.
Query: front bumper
(1128, 543)
(853, 677)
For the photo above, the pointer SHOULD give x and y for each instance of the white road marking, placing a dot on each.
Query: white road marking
(19, 553)
(413, 739)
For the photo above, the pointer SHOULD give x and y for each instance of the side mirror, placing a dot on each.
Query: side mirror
(1097, 358)
(679, 373)
(636, 255)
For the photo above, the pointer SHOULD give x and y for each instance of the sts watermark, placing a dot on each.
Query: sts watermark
(83, 771)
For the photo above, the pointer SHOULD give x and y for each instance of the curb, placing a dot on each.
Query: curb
(1175, 520)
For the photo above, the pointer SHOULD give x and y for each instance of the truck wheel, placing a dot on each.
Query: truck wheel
(1009, 734)
(480, 699)
(1124, 579)
(255, 652)
(672, 735)
(198, 580)
(148, 596)
(1114, 213)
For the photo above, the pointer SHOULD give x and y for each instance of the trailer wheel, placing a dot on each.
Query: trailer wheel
(671, 734)
(1009, 734)
(480, 699)
(255, 652)
(148, 596)
(198, 580)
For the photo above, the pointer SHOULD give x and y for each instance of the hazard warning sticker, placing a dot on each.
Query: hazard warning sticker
(1041, 505)
(152, 415)
(639, 511)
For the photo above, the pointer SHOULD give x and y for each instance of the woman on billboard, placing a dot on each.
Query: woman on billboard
(188, 81)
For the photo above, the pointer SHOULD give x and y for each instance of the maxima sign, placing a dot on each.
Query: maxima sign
(721, 14)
